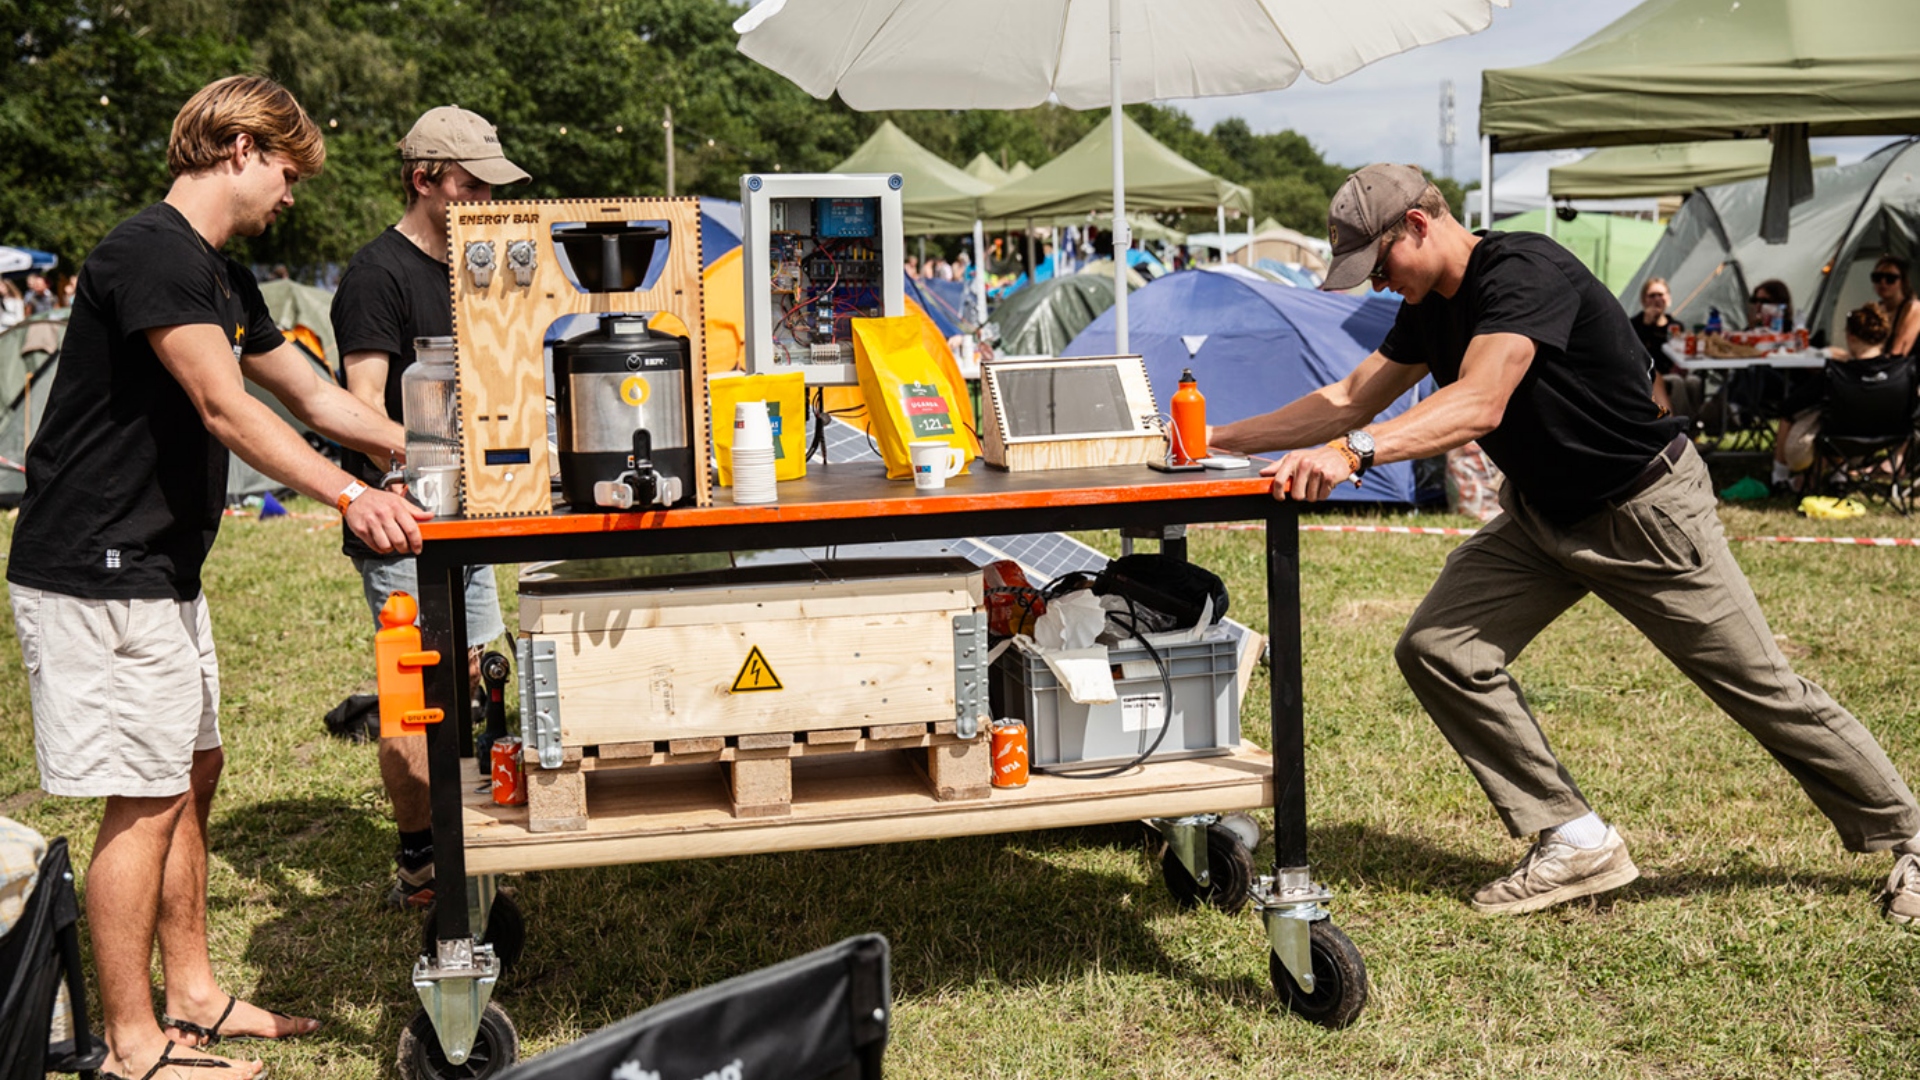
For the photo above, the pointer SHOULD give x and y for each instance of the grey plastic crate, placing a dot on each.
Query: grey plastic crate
(1060, 731)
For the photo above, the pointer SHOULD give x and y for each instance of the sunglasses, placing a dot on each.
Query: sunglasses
(1378, 275)
(1882, 277)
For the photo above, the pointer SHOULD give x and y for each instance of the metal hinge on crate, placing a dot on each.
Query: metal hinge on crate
(540, 697)
(969, 672)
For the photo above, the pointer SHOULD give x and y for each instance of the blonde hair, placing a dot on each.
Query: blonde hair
(431, 170)
(253, 105)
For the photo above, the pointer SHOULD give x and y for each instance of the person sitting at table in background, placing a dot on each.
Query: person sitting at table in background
(1867, 334)
(1673, 390)
(1894, 293)
(1770, 297)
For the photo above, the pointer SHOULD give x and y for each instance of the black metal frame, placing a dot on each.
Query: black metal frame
(443, 622)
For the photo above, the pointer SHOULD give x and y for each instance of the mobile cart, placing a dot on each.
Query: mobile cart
(1315, 969)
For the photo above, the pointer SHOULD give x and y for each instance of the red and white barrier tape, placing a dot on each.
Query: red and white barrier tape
(1418, 530)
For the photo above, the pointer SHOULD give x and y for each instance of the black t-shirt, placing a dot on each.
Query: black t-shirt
(1582, 424)
(1654, 338)
(391, 293)
(124, 483)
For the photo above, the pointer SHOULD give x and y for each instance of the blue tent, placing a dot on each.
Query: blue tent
(1264, 345)
(720, 229)
(942, 307)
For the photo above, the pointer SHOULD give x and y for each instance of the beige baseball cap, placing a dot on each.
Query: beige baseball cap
(1371, 201)
(451, 133)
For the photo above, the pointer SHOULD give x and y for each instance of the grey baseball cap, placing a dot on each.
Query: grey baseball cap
(1371, 201)
(451, 133)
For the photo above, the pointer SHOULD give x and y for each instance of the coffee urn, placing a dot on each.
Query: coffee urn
(623, 398)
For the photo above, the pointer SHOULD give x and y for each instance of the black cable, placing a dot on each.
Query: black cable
(1166, 682)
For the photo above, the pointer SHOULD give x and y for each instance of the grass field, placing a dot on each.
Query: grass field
(1751, 948)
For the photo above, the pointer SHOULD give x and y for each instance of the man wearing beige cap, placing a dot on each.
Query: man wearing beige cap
(397, 289)
(1603, 495)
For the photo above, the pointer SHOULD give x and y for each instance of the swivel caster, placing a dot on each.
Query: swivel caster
(1229, 870)
(1339, 979)
(506, 931)
(495, 1048)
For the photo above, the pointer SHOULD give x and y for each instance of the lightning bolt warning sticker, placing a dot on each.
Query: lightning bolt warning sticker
(755, 674)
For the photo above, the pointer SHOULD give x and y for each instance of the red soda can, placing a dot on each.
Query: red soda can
(509, 774)
(1009, 754)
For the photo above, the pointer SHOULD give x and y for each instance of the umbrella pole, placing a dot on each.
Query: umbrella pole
(1120, 229)
(979, 273)
(1486, 181)
(1033, 268)
(1220, 229)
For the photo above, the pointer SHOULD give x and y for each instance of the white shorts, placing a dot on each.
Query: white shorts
(124, 691)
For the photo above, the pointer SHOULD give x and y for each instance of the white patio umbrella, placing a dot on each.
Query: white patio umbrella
(1015, 54)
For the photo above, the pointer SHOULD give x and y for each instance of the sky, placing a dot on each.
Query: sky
(1390, 110)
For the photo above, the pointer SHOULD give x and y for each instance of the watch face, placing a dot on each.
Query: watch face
(1360, 441)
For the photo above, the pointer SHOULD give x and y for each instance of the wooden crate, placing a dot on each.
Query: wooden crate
(846, 656)
(499, 331)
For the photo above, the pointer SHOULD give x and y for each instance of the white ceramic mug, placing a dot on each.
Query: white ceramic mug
(933, 462)
(437, 488)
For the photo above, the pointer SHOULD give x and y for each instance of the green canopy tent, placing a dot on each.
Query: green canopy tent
(1627, 172)
(1080, 181)
(1611, 246)
(938, 197)
(1687, 70)
(984, 168)
(1019, 171)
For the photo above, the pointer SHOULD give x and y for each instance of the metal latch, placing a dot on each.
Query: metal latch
(969, 672)
(540, 696)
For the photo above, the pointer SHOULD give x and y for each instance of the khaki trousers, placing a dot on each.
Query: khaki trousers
(1661, 560)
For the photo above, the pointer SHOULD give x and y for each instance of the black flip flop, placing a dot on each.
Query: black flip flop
(214, 1036)
(168, 1061)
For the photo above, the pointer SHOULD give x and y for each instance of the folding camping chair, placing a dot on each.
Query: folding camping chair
(1866, 439)
(41, 951)
(822, 1016)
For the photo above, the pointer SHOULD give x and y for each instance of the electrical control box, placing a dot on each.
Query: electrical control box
(819, 250)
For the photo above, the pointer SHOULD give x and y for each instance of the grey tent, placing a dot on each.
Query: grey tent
(1042, 318)
(1712, 255)
(29, 363)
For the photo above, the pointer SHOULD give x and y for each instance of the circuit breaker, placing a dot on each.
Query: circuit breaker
(820, 250)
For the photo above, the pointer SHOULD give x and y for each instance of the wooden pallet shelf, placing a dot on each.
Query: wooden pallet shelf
(838, 800)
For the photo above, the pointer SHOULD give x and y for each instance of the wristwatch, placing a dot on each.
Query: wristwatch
(352, 491)
(520, 259)
(480, 262)
(1361, 444)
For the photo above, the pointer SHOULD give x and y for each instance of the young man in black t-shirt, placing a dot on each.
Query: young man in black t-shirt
(396, 289)
(1603, 495)
(126, 481)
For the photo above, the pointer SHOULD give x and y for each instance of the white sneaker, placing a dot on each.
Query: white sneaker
(1555, 872)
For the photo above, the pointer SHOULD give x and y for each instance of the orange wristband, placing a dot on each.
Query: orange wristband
(1353, 459)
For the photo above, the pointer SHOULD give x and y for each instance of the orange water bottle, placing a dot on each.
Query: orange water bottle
(1189, 421)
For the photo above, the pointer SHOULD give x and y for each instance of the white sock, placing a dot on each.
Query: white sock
(1780, 472)
(1586, 831)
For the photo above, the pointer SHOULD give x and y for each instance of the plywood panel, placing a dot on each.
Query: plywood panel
(499, 331)
(614, 613)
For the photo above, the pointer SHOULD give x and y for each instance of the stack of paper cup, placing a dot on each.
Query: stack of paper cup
(753, 480)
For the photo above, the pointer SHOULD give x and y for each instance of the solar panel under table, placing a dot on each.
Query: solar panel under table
(845, 504)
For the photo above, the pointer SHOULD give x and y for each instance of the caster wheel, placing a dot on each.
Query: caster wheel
(506, 931)
(1339, 980)
(1229, 866)
(496, 1046)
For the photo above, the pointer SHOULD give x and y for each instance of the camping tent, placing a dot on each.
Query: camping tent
(720, 229)
(937, 196)
(1620, 172)
(1281, 244)
(1611, 246)
(304, 314)
(1044, 319)
(1261, 345)
(1524, 187)
(1080, 180)
(1711, 254)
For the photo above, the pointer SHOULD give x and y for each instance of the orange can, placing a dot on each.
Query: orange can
(509, 773)
(1009, 754)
